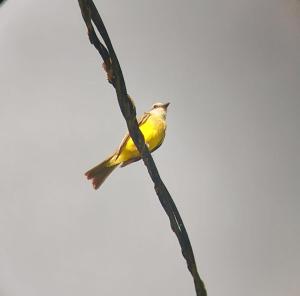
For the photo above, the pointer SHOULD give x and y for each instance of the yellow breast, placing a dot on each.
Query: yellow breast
(154, 132)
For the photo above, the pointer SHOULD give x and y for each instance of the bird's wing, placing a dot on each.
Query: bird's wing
(141, 120)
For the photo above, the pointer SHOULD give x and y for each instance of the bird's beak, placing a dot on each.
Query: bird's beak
(165, 106)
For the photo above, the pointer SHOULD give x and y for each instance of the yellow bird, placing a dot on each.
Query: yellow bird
(152, 125)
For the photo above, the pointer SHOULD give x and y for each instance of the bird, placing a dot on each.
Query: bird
(153, 127)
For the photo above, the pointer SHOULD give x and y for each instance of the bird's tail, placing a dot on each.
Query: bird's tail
(99, 173)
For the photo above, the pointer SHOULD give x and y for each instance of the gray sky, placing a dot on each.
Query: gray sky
(231, 70)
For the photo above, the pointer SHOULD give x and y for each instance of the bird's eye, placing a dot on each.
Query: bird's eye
(155, 106)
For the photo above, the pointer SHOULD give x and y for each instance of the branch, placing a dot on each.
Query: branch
(115, 77)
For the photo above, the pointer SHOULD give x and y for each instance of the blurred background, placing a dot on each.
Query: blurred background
(231, 70)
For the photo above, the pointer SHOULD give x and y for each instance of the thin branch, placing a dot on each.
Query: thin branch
(115, 77)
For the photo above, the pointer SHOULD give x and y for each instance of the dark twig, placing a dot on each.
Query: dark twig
(115, 77)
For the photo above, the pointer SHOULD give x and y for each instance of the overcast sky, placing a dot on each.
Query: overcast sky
(231, 70)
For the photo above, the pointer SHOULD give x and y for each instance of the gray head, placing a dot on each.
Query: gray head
(160, 105)
(160, 109)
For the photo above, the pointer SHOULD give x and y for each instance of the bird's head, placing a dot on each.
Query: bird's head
(160, 109)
